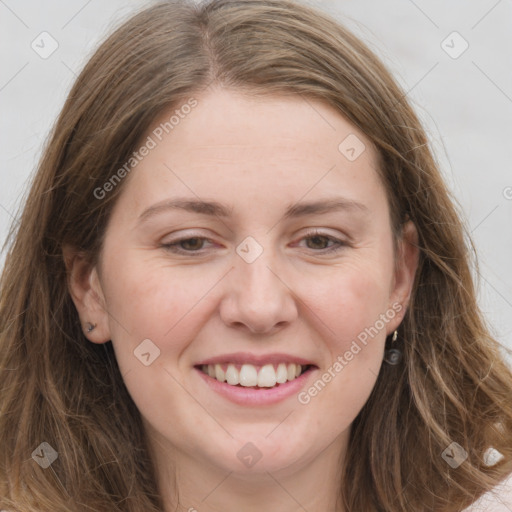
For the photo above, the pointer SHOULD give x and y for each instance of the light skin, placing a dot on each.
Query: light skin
(257, 157)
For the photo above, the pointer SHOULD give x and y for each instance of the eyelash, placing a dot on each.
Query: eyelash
(174, 246)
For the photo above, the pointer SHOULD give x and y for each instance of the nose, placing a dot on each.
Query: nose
(258, 298)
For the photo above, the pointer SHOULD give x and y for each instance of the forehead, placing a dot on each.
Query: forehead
(234, 146)
(227, 118)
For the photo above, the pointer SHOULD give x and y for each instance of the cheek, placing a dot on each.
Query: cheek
(148, 299)
(150, 295)
(348, 301)
(353, 309)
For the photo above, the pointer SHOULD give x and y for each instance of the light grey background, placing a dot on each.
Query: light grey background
(465, 102)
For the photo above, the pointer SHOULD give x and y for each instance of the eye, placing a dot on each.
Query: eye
(319, 241)
(190, 246)
(193, 246)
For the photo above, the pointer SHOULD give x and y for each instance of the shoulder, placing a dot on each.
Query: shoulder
(497, 500)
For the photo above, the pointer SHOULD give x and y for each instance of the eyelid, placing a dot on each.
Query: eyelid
(187, 236)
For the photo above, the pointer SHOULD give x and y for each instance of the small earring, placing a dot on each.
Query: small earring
(90, 326)
(393, 356)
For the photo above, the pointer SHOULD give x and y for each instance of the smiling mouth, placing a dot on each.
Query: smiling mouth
(254, 376)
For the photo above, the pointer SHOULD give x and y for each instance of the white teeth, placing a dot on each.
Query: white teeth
(266, 376)
(282, 373)
(219, 373)
(248, 375)
(232, 375)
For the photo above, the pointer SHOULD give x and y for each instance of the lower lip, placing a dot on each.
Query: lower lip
(265, 396)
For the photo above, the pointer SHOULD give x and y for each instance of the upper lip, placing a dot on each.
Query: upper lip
(255, 359)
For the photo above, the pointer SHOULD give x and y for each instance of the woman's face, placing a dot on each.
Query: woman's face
(254, 234)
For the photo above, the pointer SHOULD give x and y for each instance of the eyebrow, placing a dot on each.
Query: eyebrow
(213, 208)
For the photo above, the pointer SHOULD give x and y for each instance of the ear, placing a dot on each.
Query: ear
(405, 271)
(85, 290)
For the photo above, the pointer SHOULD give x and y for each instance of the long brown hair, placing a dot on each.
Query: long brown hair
(58, 388)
